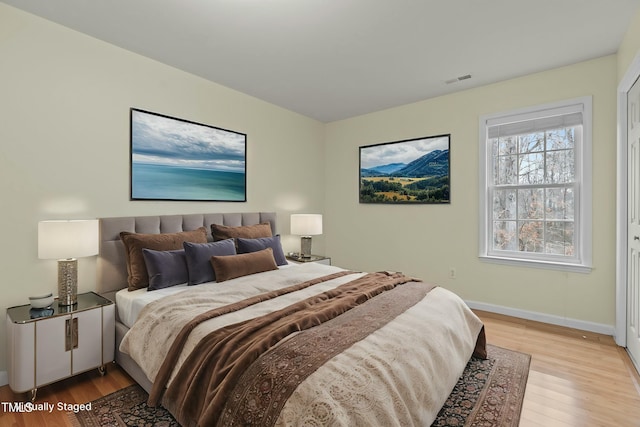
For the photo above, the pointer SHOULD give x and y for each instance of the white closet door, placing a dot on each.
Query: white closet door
(633, 185)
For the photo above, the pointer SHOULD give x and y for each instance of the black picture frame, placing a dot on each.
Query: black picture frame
(181, 160)
(410, 171)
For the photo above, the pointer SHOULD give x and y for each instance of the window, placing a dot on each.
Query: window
(535, 186)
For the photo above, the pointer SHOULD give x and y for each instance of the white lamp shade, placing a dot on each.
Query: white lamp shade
(67, 239)
(306, 224)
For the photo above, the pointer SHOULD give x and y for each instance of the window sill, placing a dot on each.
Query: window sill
(549, 265)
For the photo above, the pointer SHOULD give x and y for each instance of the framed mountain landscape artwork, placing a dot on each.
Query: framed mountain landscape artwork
(176, 159)
(411, 171)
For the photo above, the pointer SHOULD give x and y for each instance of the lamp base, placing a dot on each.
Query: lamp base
(67, 281)
(305, 247)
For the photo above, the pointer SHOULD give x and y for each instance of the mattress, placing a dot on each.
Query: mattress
(130, 303)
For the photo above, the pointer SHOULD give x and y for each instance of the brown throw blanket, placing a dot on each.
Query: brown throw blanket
(198, 393)
(170, 360)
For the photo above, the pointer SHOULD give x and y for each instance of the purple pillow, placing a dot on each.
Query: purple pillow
(199, 259)
(165, 268)
(254, 245)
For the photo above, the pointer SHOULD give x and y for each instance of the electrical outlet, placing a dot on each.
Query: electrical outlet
(452, 273)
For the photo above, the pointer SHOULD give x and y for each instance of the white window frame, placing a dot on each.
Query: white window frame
(582, 262)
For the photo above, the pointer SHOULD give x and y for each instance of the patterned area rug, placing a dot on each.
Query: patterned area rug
(489, 394)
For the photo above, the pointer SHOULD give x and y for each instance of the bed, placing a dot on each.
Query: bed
(305, 344)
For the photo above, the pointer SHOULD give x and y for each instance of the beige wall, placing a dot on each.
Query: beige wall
(64, 144)
(630, 46)
(428, 240)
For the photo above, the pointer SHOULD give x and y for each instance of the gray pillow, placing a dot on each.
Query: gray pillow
(199, 259)
(253, 245)
(165, 268)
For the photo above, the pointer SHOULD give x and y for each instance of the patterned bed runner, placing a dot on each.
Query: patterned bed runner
(262, 391)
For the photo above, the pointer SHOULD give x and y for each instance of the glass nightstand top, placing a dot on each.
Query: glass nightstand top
(86, 301)
(298, 258)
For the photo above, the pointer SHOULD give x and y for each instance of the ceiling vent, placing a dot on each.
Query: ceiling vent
(458, 79)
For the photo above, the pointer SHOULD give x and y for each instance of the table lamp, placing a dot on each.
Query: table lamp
(65, 241)
(306, 225)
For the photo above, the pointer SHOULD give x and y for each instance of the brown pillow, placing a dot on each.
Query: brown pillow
(231, 266)
(135, 242)
(222, 232)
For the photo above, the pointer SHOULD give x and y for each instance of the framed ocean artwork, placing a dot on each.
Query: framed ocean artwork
(412, 171)
(177, 159)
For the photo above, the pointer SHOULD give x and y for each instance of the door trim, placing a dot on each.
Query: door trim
(629, 78)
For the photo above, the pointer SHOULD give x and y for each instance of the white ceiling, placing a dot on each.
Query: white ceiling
(334, 59)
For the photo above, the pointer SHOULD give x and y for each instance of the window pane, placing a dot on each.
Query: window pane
(531, 203)
(560, 203)
(532, 143)
(506, 145)
(559, 139)
(504, 236)
(531, 169)
(505, 170)
(559, 238)
(560, 167)
(504, 204)
(530, 236)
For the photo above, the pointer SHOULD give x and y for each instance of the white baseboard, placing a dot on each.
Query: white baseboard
(545, 318)
(4, 378)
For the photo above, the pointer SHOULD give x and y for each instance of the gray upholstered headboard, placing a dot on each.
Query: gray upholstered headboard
(111, 263)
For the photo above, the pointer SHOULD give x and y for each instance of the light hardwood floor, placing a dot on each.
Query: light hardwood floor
(577, 379)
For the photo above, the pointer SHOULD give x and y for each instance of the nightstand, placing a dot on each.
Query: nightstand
(45, 346)
(297, 259)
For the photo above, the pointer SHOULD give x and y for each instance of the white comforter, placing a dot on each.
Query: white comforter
(399, 375)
